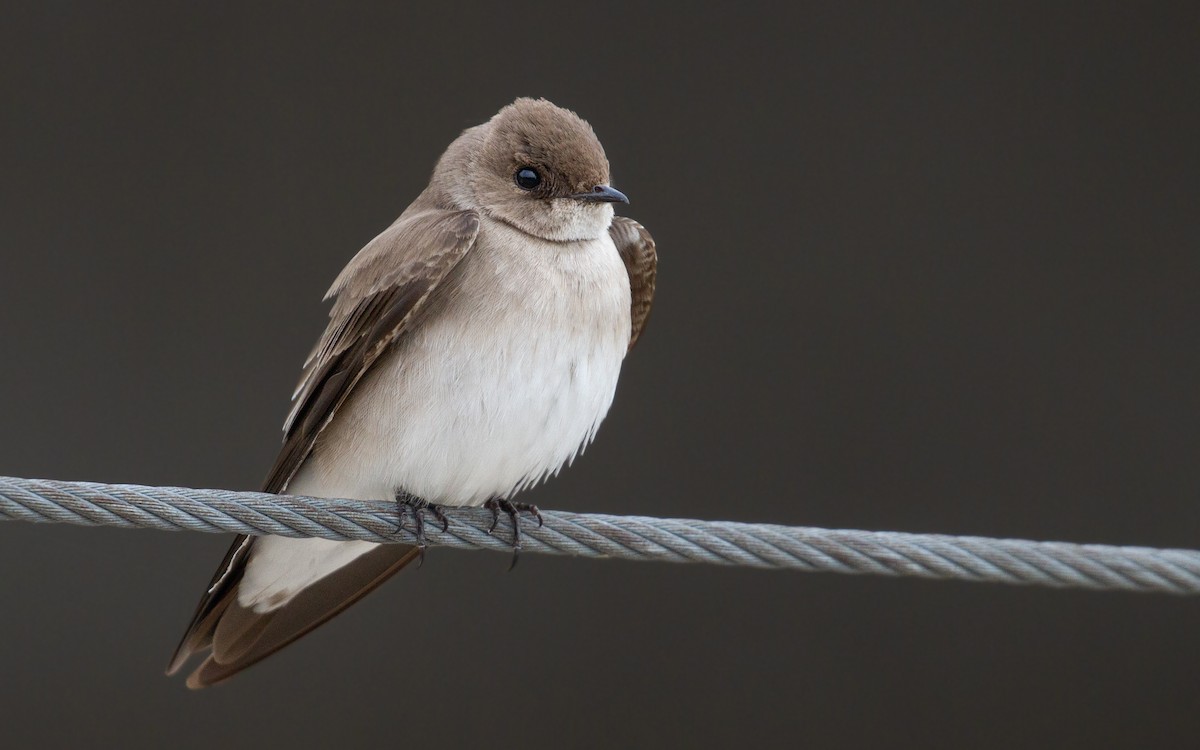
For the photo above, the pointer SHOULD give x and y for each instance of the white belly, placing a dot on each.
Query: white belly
(506, 381)
(503, 382)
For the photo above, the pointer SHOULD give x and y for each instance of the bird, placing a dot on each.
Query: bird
(472, 351)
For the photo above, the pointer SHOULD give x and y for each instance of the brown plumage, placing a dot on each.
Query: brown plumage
(637, 250)
(409, 277)
(364, 322)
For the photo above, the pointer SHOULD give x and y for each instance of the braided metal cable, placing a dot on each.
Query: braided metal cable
(890, 553)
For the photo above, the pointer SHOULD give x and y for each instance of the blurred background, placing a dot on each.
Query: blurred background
(922, 268)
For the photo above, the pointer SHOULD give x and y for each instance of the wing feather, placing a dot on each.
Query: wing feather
(379, 296)
(637, 250)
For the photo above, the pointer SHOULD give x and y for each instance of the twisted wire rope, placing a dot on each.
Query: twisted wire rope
(888, 553)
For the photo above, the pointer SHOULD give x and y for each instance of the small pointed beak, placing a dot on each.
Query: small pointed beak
(602, 194)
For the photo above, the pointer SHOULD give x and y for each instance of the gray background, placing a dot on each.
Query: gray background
(929, 270)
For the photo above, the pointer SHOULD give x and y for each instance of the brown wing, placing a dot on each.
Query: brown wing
(637, 250)
(379, 296)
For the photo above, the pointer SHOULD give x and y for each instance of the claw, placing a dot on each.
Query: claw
(440, 516)
(401, 510)
(406, 503)
(495, 505)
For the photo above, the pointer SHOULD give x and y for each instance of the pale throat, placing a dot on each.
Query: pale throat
(560, 219)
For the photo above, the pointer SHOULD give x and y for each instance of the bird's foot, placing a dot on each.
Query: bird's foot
(418, 506)
(514, 510)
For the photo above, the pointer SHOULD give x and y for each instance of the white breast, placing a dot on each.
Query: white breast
(501, 386)
(505, 382)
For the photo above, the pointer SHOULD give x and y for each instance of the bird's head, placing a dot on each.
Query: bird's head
(540, 168)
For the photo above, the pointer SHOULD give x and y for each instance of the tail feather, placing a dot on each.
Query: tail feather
(238, 636)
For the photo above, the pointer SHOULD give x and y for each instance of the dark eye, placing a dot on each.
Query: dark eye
(527, 178)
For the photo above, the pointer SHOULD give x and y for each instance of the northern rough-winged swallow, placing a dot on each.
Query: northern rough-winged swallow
(473, 349)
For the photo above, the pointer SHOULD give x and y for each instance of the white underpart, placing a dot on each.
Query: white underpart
(504, 384)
